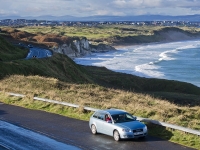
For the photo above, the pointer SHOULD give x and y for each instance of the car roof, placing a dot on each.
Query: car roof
(112, 111)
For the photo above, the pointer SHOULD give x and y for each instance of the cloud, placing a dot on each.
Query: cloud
(136, 3)
(155, 3)
(98, 7)
(2, 12)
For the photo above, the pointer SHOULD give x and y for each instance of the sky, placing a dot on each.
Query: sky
(83, 8)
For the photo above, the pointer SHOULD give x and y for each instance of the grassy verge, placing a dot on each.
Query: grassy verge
(96, 96)
(29, 103)
(175, 136)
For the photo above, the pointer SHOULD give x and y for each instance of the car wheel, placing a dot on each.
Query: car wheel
(116, 136)
(93, 129)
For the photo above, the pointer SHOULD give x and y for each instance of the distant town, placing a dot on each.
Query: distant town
(25, 22)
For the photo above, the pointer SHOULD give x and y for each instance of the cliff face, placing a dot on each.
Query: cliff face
(81, 47)
(70, 46)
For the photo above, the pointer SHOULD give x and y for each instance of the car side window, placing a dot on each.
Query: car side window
(95, 115)
(99, 116)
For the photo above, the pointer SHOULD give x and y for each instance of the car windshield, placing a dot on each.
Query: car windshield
(125, 117)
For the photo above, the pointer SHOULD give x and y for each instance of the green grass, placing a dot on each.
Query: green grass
(175, 136)
(77, 113)
(59, 66)
(10, 52)
(111, 34)
(63, 68)
(106, 77)
(93, 33)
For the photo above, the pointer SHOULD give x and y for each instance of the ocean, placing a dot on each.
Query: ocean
(174, 61)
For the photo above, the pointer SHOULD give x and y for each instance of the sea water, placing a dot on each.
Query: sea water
(174, 61)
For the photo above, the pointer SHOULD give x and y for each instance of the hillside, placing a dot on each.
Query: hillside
(10, 52)
(59, 66)
(49, 40)
(63, 68)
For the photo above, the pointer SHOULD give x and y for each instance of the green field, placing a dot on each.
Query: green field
(109, 34)
(93, 32)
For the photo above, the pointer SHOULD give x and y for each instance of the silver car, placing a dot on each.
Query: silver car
(121, 124)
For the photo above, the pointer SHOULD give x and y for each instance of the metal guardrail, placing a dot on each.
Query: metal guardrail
(187, 130)
(56, 102)
(18, 95)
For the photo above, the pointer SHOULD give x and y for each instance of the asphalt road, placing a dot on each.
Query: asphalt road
(76, 132)
(18, 138)
(37, 52)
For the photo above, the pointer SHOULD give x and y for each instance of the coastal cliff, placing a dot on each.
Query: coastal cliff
(70, 46)
(80, 47)
(76, 46)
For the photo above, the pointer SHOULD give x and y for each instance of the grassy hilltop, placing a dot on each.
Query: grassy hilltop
(118, 34)
(59, 78)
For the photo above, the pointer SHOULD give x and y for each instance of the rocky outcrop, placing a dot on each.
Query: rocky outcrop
(81, 47)
(102, 48)
(66, 50)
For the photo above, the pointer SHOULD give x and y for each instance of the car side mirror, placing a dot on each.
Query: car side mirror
(135, 117)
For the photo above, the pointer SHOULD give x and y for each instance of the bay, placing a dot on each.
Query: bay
(174, 61)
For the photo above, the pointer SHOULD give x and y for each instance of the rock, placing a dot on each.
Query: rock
(81, 47)
(104, 47)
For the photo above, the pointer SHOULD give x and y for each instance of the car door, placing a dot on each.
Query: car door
(107, 127)
(99, 122)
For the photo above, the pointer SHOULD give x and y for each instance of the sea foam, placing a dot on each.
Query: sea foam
(174, 61)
